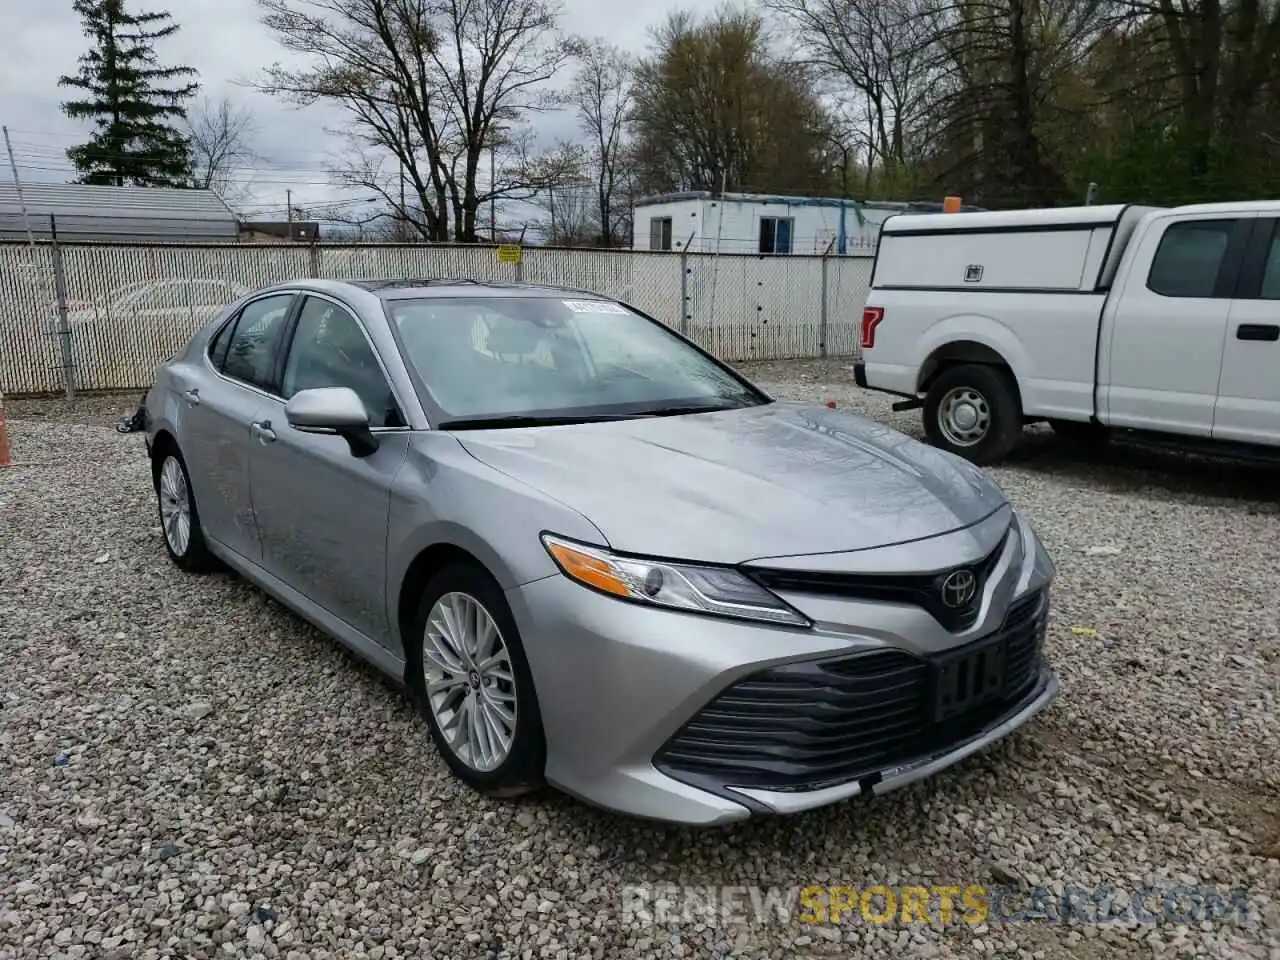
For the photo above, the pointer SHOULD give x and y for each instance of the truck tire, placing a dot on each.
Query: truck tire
(973, 411)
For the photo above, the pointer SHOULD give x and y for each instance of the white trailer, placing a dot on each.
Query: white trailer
(1161, 323)
(702, 222)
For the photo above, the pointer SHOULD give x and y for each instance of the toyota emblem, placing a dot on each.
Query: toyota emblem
(958, 589)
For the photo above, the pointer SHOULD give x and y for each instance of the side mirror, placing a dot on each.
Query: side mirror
(334, 411)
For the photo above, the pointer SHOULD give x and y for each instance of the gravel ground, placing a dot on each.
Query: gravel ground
(189, 770)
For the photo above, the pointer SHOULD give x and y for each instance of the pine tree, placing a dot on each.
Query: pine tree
(131, 99)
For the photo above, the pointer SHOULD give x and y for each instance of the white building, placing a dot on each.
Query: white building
(703, 222)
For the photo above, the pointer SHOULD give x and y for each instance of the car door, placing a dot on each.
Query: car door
(323, 511)
(220, 404)
(1169, 324)
(1248, 408)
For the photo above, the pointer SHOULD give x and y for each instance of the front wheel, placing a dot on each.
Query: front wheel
(973, 411)
(470, 677)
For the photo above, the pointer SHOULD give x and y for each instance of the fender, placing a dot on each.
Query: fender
(980, 329)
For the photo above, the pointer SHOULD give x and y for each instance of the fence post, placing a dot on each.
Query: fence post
(823, 308)
(685, 315)
(313, 255)
(64, 326)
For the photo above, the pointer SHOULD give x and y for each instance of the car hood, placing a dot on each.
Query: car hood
(735, 485)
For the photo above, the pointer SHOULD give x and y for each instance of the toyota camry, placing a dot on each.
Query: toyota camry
(595, 556)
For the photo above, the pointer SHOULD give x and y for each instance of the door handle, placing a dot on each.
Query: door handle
(262, 430)
(192, 396)
(1267, 332)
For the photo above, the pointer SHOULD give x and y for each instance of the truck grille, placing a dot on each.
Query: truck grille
(803, 726)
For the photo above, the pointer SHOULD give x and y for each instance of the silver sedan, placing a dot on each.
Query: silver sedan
(594, 555)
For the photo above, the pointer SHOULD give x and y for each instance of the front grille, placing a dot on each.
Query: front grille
(922, 590)
(802, 726)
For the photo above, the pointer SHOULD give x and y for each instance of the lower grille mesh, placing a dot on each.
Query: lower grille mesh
(806, 725)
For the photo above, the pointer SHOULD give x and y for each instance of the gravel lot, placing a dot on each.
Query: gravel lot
(188, 770)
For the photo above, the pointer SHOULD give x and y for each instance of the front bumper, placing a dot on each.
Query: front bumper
(618, 682)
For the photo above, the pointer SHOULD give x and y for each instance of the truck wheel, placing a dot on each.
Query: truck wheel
(973, 411)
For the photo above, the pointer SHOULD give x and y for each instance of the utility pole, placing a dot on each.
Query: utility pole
(17, 182)
(288, 211)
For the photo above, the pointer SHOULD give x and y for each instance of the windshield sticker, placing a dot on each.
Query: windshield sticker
(594, 306)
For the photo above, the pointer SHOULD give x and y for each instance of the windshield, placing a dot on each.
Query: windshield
(535, 358)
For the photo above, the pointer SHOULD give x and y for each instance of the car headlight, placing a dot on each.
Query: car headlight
(678, 586)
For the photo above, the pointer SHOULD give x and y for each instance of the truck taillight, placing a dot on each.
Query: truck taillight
(871, 317)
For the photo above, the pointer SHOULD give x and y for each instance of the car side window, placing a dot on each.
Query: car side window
(1271, 270)
(1189, 257)
(329, 349)
(219, 344)
(253, 345)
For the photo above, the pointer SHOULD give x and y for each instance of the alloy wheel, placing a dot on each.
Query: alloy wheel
(175, 506)
(468, 680)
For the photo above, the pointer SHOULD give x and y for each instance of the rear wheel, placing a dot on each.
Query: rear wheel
(973, 410)
(179, 518)
(470, 677)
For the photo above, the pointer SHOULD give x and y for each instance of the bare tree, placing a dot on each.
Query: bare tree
(221, 134)
(601, 97)
(876, 49)
(428, 83)
(566, 195)
(716, 109)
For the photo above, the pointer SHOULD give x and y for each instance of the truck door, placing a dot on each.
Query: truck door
(1248, 408)
(1160, 371)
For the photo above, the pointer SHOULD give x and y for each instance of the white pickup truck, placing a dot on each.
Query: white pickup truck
(1163, 323)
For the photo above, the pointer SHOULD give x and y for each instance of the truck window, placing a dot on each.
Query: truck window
(1271, 270)
(1187, 261)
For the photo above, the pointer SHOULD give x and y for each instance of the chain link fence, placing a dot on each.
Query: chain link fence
(104, 316)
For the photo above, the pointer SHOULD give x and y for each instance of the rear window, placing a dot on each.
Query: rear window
(1189, 257)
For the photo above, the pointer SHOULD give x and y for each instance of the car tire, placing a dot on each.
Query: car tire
(973, 411)
(1085, 435)
(458, 588)
(179, 515)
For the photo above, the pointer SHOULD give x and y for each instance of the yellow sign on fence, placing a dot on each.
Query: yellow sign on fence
(510, 253)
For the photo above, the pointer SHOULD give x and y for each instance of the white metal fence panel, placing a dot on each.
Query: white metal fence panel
(848, 280)
(134, 307)
(756, 308)
(30, 357)
(648, 281)
(416, 260)
(129, 308)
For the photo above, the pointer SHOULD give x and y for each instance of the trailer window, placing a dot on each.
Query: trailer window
(660, 233)
(775, 234)
(1187, 261)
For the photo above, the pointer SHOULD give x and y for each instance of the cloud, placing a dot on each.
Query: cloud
(226, 43)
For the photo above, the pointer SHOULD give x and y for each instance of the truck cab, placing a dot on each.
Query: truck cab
(1161, 323)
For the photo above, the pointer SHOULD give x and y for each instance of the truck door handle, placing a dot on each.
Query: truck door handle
(262, 430)
(1268, 332)
(192, 397)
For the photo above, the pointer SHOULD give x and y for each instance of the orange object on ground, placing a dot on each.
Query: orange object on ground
(951, 204)
(6, 455)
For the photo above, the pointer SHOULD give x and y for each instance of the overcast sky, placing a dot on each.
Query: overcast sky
(223, 39)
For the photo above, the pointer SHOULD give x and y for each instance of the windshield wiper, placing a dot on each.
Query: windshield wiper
(498, 423)
(722, 403)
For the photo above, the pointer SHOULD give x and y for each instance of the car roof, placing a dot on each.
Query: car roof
(404, 288)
